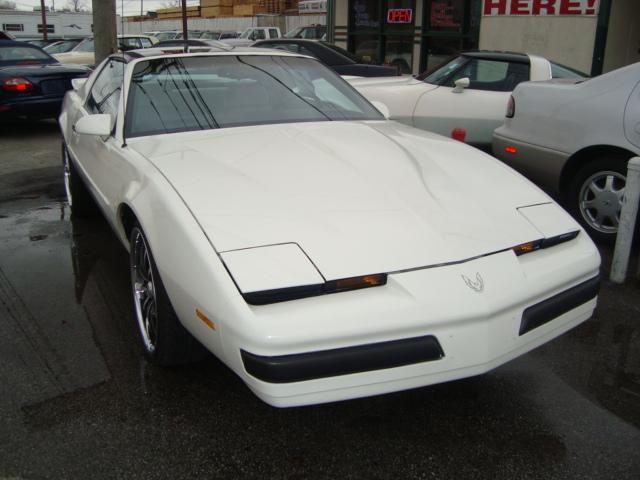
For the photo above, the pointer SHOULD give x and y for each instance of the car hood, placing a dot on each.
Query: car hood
(357, 197)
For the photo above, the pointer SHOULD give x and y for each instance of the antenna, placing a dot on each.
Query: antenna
(124, 64)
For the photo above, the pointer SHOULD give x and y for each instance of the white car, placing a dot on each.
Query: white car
(319, 250)
(84, 52)
(470, 92)
(575, 138)
(252, 34)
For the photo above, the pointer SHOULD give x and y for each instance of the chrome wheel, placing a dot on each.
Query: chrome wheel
(600, 200)
(144, 291)
(67, 175)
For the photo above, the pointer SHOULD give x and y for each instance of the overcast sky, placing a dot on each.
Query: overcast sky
(131, 7)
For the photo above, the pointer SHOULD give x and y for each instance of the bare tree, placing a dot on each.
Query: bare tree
(77, 5)
(5, 5)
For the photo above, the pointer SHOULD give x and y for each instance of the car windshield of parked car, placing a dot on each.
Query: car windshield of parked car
(341, 51)
(86, 46)
(165, 36)
(18, 54)
(437, 76)
(180, 94)
(60, 47)
(562, 71)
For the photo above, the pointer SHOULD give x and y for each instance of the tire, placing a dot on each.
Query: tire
(79, 198)
(164, 340)
(595, 196)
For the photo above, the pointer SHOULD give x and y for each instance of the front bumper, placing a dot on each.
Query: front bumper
(294, 352)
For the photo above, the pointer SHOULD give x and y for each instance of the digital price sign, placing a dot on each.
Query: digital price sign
(400, 15)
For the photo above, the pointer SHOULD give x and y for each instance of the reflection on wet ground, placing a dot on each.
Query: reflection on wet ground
(77, 399)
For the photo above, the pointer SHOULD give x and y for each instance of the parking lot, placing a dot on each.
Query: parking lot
(78, 399)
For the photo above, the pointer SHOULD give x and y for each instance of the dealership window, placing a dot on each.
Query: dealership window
(13, 27)
(381, 31)
(50, 28)
(449, 26)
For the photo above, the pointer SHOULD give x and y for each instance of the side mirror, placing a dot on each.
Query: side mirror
(382, 108)
(461, 84)
(98, 124)
(78, 83)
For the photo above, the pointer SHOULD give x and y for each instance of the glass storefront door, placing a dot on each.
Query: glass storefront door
(381, 32)
(449, 26)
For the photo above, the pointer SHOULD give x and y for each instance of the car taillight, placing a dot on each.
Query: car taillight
(17, 84)
(511, 107)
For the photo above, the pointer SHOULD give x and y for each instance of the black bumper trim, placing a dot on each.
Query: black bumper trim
(342, 361)
(551, 308)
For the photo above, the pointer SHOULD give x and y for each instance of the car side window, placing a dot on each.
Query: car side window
(258, 35)
(105, 92)
(491, 75)
(273, 33)
(146, 43)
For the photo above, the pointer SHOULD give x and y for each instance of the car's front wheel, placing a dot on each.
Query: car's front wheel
(596, 194)
(164, 340)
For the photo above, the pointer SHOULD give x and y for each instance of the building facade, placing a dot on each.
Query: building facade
(22, 24)
(592, 36)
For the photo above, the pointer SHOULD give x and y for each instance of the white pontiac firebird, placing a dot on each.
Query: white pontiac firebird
(319, 250)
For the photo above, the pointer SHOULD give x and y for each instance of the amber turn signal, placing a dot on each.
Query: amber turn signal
(353, 283)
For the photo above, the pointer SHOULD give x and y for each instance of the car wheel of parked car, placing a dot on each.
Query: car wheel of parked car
(80, 200)
(596, 196)
(164, 340)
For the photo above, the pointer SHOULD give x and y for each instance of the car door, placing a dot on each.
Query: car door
(95, 155)
(480, 108)
(632, 117)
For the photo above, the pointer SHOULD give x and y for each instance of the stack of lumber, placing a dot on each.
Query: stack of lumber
(216, 8)
(248, 8)
(280, 6)
(176, 12)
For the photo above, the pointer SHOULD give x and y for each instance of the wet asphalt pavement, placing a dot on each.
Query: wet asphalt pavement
(77, 400)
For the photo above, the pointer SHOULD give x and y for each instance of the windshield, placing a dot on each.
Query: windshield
(562, 71)
(293, 33)
(246, 33)
(198, 93)
(165, 36)
(341, 51)
(86, 46)
(12, 55)
(437, 76)
(60, 47)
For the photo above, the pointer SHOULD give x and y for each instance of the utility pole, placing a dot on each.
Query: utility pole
(105, 31)
(44, 22)
(185, 33)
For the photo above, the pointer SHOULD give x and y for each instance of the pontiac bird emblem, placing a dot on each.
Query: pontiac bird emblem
(477, 285)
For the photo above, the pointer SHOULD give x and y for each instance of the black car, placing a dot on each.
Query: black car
(32, 83)
(336, 58)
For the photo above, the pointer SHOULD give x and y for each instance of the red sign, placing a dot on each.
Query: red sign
(400, 15)
(540, 7)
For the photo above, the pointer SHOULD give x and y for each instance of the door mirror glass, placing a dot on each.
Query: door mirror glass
(99, 124)
(461, 84)
(78, 83)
